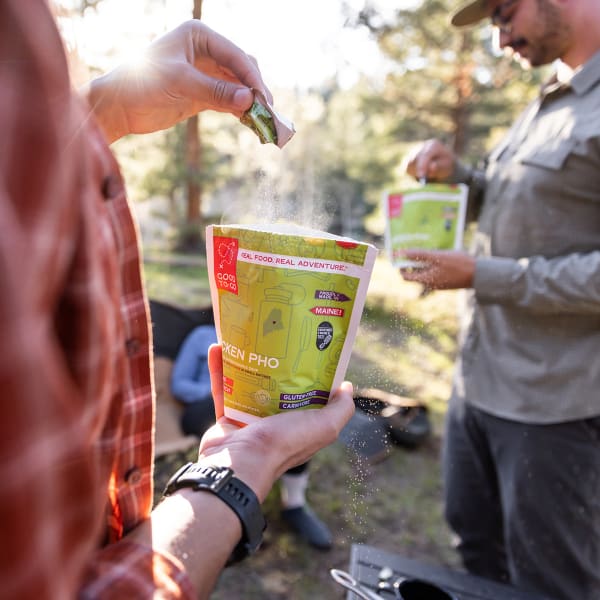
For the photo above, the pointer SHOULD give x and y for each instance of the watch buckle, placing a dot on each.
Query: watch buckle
(220, 479)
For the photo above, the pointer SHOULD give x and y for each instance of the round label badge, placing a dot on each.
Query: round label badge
(324, 335)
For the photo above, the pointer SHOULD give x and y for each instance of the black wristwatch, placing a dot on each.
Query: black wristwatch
(235, 493)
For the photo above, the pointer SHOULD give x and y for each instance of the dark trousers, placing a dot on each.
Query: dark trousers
(524, 501)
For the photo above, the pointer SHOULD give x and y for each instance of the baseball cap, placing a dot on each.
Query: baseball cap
(471, 13)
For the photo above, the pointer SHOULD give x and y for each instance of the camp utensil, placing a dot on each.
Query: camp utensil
(346, 580)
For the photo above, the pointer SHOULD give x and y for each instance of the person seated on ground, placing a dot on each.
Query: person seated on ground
(190, 381)
(190, 385)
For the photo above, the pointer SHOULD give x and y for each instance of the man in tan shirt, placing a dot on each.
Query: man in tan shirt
(522, 445)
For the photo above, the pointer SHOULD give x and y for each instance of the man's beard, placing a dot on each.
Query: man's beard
(548, 42)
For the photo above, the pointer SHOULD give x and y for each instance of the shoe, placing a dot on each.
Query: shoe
(308, 526)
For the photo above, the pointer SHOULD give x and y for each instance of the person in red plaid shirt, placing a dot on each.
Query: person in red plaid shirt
(76, 434)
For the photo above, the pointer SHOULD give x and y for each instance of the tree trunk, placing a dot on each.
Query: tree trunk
(464, 92)
(191, 235)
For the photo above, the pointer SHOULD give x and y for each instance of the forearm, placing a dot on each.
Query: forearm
(199, 529)
(567, 285)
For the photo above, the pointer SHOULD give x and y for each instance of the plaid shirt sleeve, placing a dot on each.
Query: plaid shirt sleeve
(77, 424)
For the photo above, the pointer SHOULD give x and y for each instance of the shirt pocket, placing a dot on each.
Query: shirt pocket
(568, 168)
(553, 157)
(563, 186)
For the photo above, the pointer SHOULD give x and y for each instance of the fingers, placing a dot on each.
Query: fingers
(417, 275)
(432, 161)
(427, 160)
(441, 269)
(188, 70)
(226, 55)
(300, 434)
(266, 448)
(265, 90)
(215, 367)
(422, 273)
(420, 256)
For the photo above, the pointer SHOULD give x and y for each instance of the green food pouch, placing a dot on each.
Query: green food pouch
(287, 303)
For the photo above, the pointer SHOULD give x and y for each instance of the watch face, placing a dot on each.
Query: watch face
(205, 477)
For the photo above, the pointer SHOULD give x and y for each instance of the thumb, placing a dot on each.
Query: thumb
(215, 367)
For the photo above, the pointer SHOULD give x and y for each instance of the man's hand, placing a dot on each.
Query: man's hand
(186, 71)
(261, 452)
(432, 161)
(440, 270)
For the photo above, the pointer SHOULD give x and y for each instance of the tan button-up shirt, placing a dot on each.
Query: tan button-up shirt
(531, 337)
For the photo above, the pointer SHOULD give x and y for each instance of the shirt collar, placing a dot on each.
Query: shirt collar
(580, 80)
(587, 76)
(564, 73)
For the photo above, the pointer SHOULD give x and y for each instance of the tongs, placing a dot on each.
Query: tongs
(346, 580)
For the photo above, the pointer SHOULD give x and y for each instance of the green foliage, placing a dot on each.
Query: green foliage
(448, 83)
(350, 143)
(169, 174)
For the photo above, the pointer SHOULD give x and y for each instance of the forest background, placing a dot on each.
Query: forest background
(416, 78)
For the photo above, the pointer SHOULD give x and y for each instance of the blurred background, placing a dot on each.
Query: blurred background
(363, 82)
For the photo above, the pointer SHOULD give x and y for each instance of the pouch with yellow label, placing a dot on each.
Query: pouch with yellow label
(287, 303)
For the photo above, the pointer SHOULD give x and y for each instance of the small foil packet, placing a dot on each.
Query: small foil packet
(267, 124)
(287, 303)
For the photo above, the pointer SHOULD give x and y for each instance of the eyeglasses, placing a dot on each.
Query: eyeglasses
(503, 14)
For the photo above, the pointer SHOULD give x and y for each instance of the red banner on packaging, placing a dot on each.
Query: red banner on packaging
(395, 205)
(225, 261)
(227, 385)
(327, 311)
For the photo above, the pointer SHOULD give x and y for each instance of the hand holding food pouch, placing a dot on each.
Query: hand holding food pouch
(429, 216)
(287, 303)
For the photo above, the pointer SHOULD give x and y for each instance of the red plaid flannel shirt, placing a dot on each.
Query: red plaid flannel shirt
(77, 402)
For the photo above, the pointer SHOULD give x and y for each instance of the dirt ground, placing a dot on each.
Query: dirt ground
(393, 504)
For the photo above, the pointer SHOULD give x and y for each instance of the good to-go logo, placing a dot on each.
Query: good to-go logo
(225, 254)
(395, 205)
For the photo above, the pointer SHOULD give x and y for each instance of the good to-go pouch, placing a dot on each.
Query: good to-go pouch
(430, 217)
(287, 303)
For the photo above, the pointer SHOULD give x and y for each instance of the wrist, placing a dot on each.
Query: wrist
(232, 491)
(256, 476)
(106, 110)
(461, 173)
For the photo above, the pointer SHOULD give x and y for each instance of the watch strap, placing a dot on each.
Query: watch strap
(222, 482)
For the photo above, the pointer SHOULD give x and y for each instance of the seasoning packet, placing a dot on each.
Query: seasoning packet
(287, 303)
(267, 124)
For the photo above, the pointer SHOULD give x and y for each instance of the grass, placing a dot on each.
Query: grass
(406, 345)
(185, 285)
